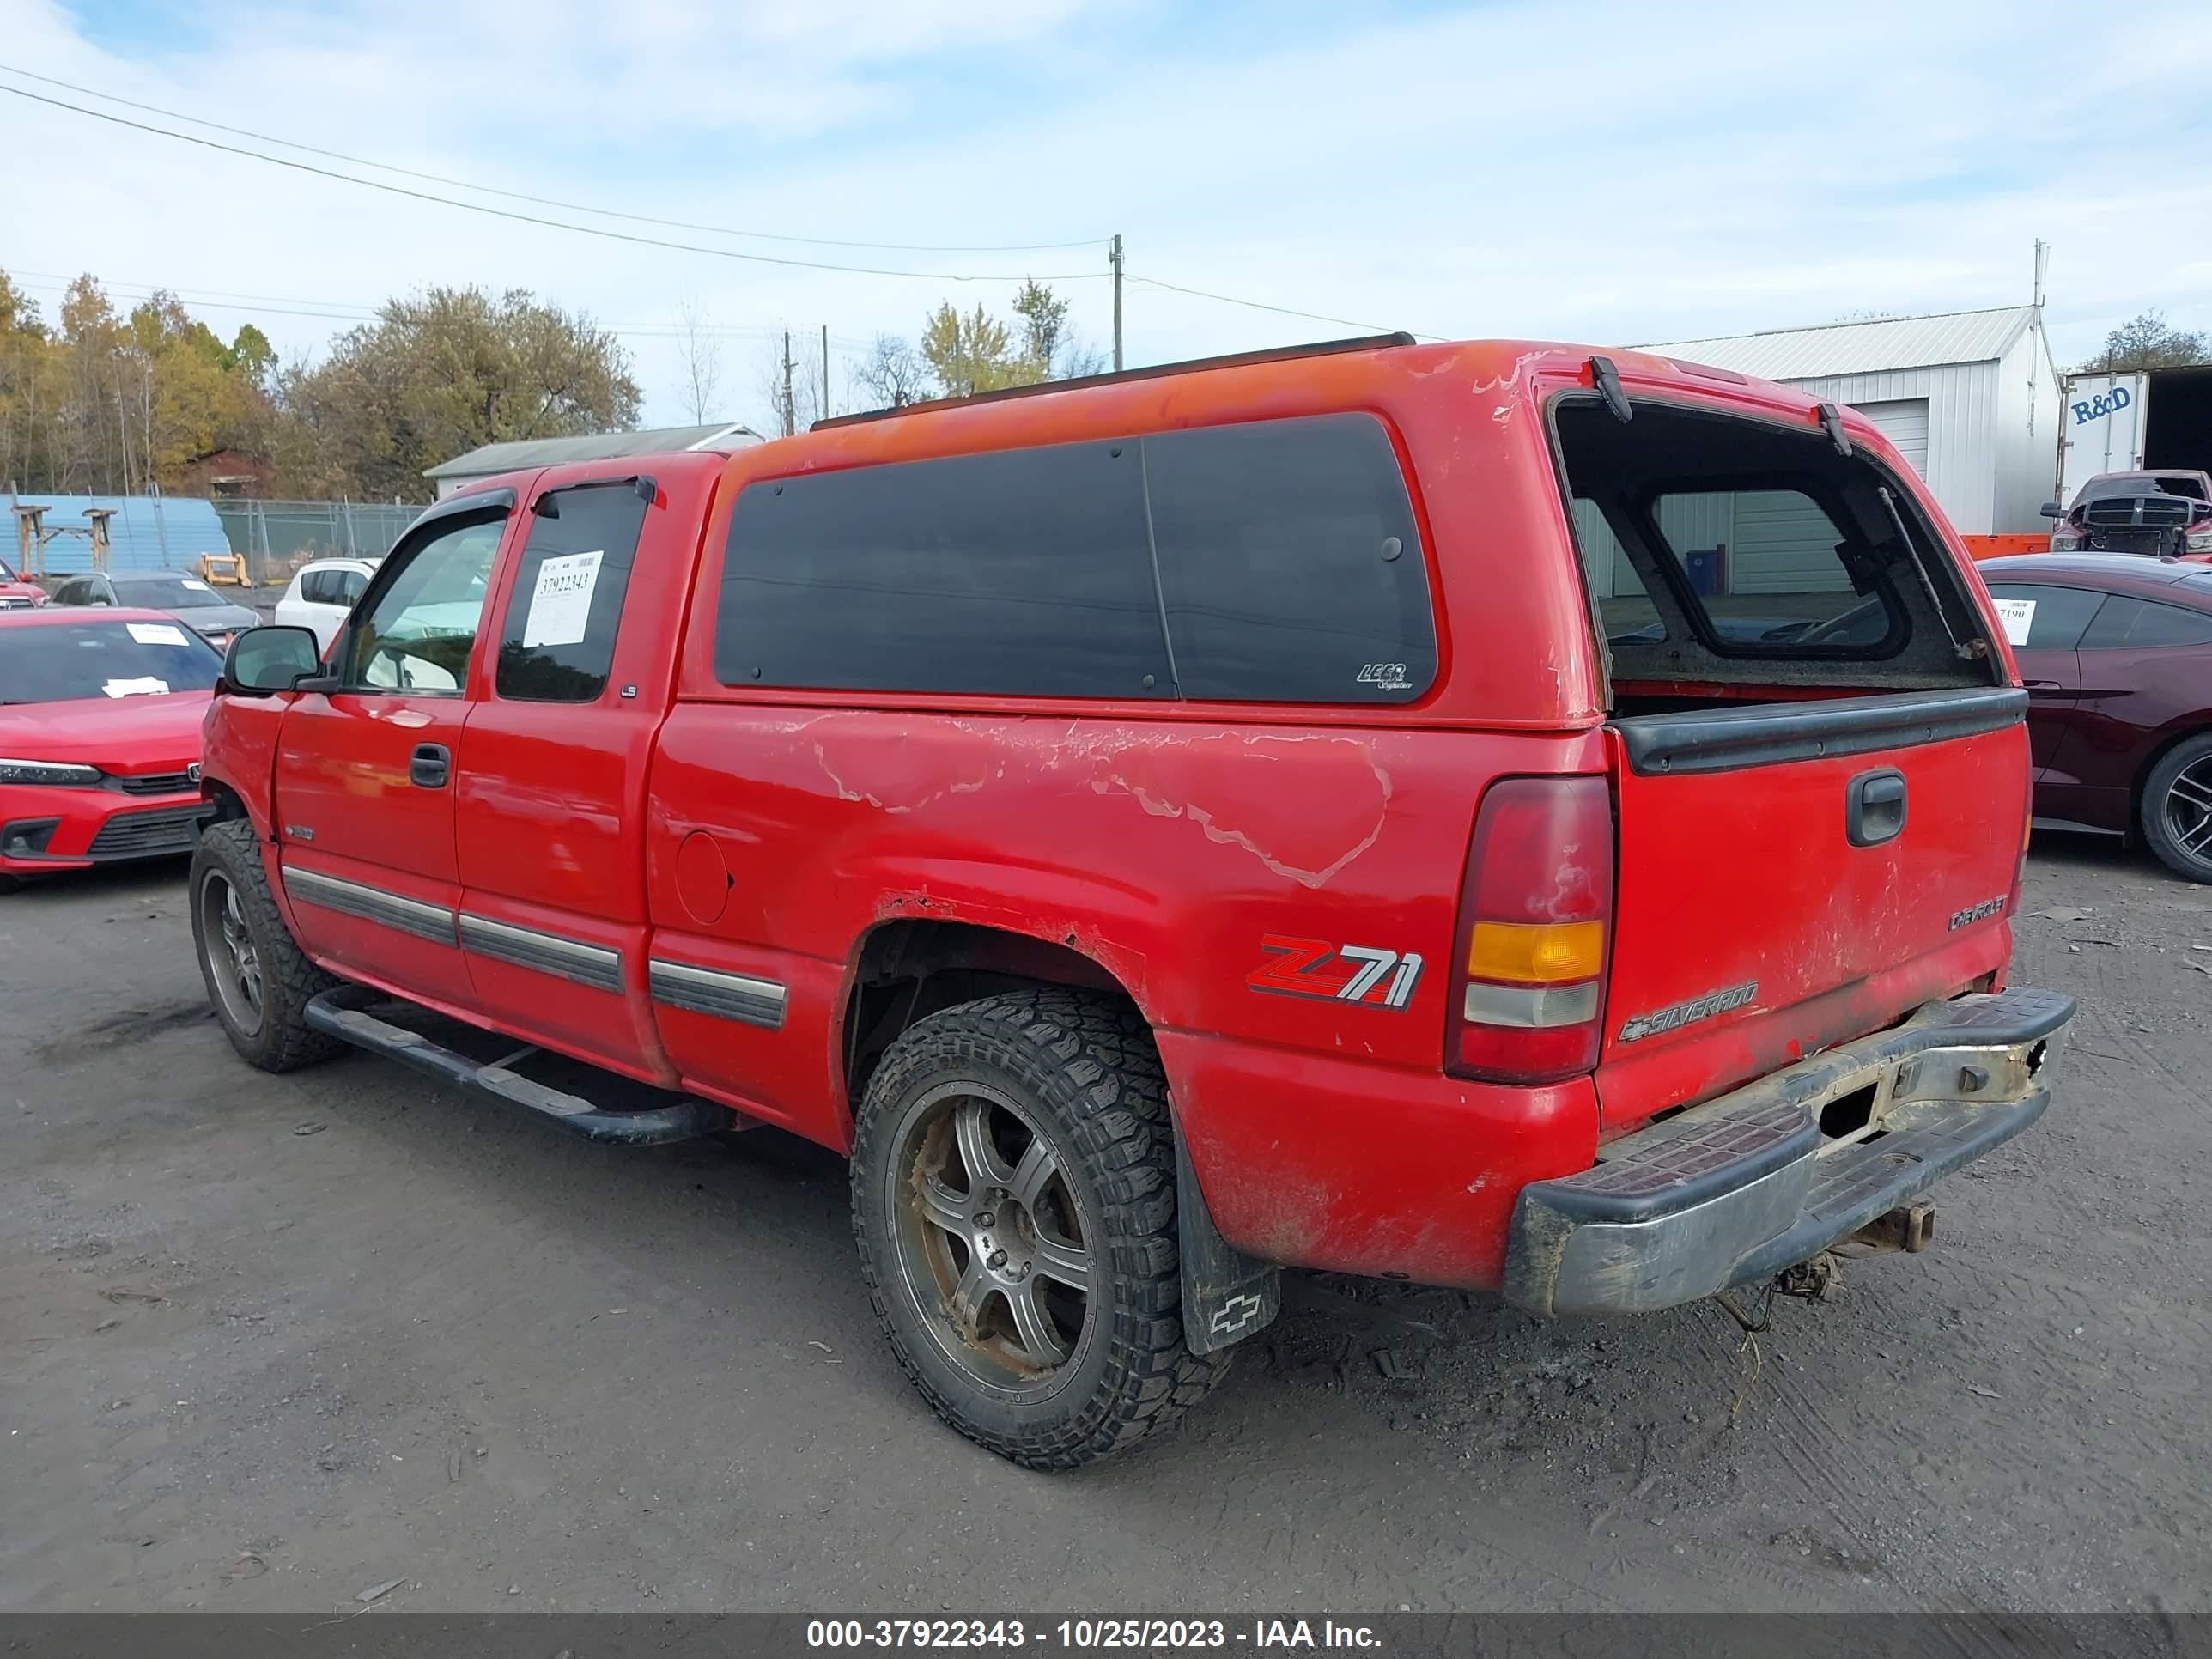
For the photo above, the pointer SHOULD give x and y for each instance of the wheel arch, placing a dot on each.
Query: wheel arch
(2198, 724)
(907, 968)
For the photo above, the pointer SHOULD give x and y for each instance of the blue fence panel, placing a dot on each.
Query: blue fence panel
(148, 532)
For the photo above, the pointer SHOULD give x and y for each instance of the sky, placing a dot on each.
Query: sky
(1569, 169)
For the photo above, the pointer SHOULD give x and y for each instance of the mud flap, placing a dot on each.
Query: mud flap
(1226, 1294)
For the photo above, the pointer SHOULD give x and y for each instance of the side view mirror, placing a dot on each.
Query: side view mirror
(2053, 510)
(262, 660)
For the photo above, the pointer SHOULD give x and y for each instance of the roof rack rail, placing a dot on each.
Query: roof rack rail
(1115, 377)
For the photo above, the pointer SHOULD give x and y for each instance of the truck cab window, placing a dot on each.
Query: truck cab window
(558, 642)
(420, 634)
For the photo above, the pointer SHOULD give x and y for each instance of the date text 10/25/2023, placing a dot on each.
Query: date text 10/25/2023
(1088, 1634)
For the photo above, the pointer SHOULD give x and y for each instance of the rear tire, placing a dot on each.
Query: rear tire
(2177, 809)
(1014, 1200)
(257, 979)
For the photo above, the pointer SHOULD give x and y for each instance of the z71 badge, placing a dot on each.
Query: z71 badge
(1365, 974)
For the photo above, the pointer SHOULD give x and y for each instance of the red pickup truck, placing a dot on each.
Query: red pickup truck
(1332, 808)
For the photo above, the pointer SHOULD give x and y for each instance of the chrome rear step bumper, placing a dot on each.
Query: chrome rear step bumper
(1736, 1190)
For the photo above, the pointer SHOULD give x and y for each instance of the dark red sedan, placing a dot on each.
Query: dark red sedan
(2117, 655)
(99, 737)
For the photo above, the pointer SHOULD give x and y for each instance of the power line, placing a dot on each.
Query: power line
(547, 201)
(276, 305)
(538, 219)
(1284, 311)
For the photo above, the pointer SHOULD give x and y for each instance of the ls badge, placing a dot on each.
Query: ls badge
(1365, 974)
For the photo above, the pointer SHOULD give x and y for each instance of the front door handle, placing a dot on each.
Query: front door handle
(1874, 807)
(429, 766)
(2042, 685)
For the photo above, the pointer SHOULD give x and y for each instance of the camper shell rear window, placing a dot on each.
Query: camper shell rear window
(1721, 549)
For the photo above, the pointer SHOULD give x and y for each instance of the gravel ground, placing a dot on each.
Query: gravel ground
(266, 1343)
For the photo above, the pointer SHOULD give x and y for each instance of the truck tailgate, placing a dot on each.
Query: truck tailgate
(1793, 875)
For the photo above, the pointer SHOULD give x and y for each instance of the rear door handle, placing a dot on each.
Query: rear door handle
(429, 766)
(2042, 685)
(1874, 807)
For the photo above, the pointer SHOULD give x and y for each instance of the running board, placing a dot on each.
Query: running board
(342, 1014)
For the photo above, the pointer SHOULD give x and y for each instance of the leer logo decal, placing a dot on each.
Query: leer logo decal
(1365, 974)
(1688, 1014)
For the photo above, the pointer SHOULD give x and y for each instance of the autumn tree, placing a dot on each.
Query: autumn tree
(1051, 349)
(978, 352)
(101, 402)
(2147, 340)
(440, 374)
(968, 354)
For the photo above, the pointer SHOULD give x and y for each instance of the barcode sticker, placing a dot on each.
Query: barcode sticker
(561, 604)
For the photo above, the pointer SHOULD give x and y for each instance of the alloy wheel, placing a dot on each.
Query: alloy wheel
(994, 1245)
(2188, 809)
(233, 961)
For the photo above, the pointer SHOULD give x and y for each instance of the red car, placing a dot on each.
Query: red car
(1327, 808)
(15, 593)
(99, 737)
(2116, 651)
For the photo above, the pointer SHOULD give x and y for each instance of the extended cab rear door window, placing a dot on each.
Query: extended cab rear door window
(557, 644)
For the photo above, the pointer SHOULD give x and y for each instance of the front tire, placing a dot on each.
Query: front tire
(257, 979)
(2177, 809)
(1014, 1200)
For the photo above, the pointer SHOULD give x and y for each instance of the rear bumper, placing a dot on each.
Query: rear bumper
(1741, 1186)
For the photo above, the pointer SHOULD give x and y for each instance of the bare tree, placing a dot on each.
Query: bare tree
(699, 356)
(893, 372)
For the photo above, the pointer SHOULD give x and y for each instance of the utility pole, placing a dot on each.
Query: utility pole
(1114, 258)
(823, 412)
(790, 410)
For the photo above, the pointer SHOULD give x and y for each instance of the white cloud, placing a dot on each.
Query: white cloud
(1595, 170)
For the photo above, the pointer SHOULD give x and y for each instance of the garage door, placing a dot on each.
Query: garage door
(1904, 421)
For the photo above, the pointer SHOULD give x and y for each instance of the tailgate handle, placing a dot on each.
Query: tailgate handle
(427, 766)
(1874, 807)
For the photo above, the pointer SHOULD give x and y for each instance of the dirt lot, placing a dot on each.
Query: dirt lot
(266, 1343)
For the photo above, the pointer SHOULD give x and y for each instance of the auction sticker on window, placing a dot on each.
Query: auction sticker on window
(156, 633)
(561, 604)
(145, 686)
(2018, 616)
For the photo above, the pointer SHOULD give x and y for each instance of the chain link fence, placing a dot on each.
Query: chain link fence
(277, 538)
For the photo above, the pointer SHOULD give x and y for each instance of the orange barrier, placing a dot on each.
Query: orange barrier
(1996, 547)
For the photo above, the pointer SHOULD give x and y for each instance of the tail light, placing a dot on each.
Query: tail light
(1536, 917)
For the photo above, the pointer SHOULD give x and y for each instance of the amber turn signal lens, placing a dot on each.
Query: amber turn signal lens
(1523, 953)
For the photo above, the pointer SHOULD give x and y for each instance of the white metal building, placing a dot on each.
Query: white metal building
(492, 460)
(1970, 398)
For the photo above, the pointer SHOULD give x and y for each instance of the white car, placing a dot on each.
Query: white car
(322, 594)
